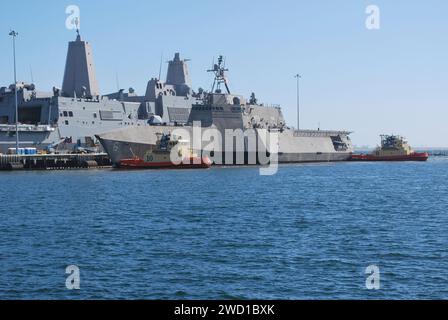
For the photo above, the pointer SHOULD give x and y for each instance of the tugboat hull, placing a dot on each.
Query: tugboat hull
(411, 157)
(191, 163)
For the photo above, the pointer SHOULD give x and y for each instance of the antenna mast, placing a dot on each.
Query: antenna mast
(31, 73)
(78, 37)
(219, 69)
(117, 81)
(14, 34)
(298, 77)
(160, 66)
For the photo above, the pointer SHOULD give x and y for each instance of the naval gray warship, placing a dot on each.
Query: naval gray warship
(77, 117)
(221, 110)
(67, 119)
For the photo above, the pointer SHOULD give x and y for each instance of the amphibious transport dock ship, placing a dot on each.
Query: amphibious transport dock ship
(67, 119)
(222, 111)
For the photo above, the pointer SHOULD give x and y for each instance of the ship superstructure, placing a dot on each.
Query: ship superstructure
(226, 111)
(69, 118)
(77, 115)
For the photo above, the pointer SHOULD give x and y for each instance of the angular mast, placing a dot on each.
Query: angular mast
(79, 76)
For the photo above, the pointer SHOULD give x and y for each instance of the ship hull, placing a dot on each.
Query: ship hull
(313, 157)
(422, 157)
(192, 163)
(293, 148)
(26, 140)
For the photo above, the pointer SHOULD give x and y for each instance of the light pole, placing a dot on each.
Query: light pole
(298, 77)
(14, 34)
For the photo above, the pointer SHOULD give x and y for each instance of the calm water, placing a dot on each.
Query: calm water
(308, 232)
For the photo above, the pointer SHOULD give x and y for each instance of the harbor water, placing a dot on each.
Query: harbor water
(308, 232)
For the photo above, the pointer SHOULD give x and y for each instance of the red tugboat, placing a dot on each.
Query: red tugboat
(393, 148)
(160, 156)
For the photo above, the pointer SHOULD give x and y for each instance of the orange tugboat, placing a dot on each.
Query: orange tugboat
(393, 148)
(159, 157)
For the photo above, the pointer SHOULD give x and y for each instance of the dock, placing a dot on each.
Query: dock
(66, 161)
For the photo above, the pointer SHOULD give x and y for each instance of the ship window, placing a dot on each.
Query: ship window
(70, 114)
(65, 114)
(66, 122)
(94, 115)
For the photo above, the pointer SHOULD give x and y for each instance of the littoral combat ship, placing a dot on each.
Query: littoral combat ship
(77, 117)
(222, 111)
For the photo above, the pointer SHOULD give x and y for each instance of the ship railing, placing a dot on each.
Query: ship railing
(270, 105)
(319, 133)
(26, 128)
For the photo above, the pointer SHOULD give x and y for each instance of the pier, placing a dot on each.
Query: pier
(54, 161)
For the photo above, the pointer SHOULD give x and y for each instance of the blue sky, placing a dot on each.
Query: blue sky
(392, 80)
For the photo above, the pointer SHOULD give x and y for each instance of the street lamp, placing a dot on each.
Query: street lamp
(298, 77)
(14, 34)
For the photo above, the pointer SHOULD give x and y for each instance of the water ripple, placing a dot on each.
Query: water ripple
(227, 233)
